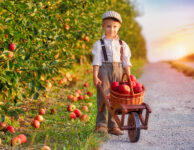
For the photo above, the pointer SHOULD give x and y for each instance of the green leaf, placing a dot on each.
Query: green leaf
(36, 95)
(2, 118)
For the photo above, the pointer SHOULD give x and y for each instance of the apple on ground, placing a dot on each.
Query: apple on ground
(90, 105)
(36, 124)
(74, 99)
(84, 108)
(10, 55)
(124, 89)
(45, 148)
(114, 86)
(2, 125)
(23, 138)
(71, 108)
(11, 47)
(76, 79)
(83, 117)
(61, 81)
(77, 112)
(53, 111)
(10, 129)
(86, 97)
(42, 111)
(70, 97)
(80, 97)
(89, 93)
(16, 141)
(72, 115)
(39, 118)
(85, 84)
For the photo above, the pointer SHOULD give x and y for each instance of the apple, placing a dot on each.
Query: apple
(11, 47)
(76, 79)
(53, 111)
(42, 111)
(61, 81)
(71, 107)
(73, 56)
(124, 89)
(86, 38)
(114, 86)
(133, 78)
(90, 104)
(66, 26)
(2, 125)
(80, 97)
(70, 97)
(39, 118)
(83, 117)
(77, 94)
(77, 112)
(10, 128)
(45, 148)
(84, 108)
(57, 56)
(86, 85)
(16, 141)
(78, 91)
(86, 97)
(88, 71)
(74, 99)
(36, 124)
(89, 93)
(10, 55)
(23, 138)
(72, 115)
(138, 88)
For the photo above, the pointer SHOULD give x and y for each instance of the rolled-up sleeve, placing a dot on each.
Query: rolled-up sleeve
(97, 53)
(126, 55)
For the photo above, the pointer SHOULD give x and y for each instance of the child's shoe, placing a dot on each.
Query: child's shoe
(115, 131)
(101, 129)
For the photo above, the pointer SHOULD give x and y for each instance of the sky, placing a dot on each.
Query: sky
(168, 28)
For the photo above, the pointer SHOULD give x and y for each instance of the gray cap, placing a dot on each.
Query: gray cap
(112, 14)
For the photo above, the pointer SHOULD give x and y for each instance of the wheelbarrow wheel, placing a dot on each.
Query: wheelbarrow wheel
(133, 121)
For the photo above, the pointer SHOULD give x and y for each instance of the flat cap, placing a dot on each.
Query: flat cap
(112, 14)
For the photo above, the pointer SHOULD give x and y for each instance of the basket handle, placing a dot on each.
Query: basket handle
(129, 81)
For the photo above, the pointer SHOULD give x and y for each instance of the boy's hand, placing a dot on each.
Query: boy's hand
(97, 81)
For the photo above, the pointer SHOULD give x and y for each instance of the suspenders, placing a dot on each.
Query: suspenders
(104, 50)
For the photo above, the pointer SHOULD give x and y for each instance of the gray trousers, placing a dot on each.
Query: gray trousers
(108, 73)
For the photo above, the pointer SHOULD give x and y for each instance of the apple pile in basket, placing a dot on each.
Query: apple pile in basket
(124, 87)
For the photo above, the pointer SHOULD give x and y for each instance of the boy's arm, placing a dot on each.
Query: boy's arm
(127, 70)
(96, 80)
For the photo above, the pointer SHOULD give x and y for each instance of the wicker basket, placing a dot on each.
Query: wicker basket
(126, 99)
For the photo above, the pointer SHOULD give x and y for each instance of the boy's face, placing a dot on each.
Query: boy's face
(111, 28)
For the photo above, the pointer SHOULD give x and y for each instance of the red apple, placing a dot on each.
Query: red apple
(42, 111)
(53, 111)
(84, 108)
(89, 93)
(61, 81)
(86, 85)
(39, 118)
(16, 141)
(10, 55)
(45, 148)
(133, 78)
(74, 99)
(77, 112)
(124, 89)
(72, 115)
(80, 97)
(138, 88)
(86, 97)
(71, 107)
(36, 124)
(70, 97)
(10, 129)
(11, 47)
(23, 138)
(114, 86)
(78, 91)
(2, 125)
(83, 117)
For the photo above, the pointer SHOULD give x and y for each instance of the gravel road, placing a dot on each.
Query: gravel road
(171, 124)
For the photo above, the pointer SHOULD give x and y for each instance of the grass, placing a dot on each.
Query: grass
(188, 71)
(58, 131)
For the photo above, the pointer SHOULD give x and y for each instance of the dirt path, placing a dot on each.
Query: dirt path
(171, 124)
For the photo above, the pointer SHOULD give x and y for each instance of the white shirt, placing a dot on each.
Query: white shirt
(113, 48)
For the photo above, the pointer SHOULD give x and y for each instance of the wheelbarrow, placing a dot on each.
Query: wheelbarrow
(137, 120)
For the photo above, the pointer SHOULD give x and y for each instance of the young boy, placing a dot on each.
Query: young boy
(111, 56)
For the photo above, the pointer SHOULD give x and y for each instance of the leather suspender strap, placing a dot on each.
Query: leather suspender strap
(121, 51)
(104, 50)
